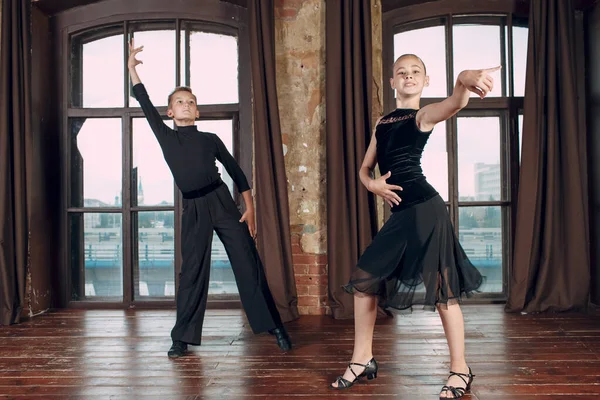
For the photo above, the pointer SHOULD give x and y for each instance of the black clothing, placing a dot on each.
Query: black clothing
(400, 145)
(218, 211)
(190, 153)
(415, 258)
(194, 194)
(208, 206)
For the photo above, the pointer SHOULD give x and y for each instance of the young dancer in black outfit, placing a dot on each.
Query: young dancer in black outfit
(207, 205)
(415, 258)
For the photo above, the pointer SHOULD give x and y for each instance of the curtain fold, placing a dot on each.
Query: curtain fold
(351, 211)
(273, 219)
(551, 262)
(15, 156)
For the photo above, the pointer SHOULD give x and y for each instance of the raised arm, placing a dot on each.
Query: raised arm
(477, 81)
(139, 91)
(133, 62)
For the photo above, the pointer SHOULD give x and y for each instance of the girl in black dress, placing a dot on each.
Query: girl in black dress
(415, 259)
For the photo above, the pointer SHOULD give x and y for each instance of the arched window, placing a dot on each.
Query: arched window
(473, 158)
(121, 207)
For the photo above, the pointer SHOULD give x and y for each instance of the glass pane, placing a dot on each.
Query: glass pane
(158, 70)
(520, 135)
(152, 182)
(520, 37)
(182, 51)
(102, 76)
(435, 160)
(223, 129)
(430, 45)
(505, 71)
(478, 47)
(155, 254)
(214, 82)
(96, 162)
(479, 175)
(96, 255)
(480, 234)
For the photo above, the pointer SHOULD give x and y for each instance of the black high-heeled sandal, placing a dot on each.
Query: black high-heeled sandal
(458, 392)
(370, 371)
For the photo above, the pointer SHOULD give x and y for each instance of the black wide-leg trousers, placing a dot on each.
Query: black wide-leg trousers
(218, 211)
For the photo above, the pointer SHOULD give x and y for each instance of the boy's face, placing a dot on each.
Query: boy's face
(409, 77)
(183, 107)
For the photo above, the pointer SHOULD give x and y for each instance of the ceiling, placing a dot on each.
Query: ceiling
(387, 5)
(52, 7)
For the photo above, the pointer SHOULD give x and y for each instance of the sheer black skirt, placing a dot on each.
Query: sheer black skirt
(416, 259)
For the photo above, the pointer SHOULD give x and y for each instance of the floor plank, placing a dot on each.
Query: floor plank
(96, 354)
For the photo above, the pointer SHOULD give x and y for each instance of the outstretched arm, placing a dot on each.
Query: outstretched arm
(139, 91)
(477, 81)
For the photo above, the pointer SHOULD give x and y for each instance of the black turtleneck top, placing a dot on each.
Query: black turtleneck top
(400, 145)
(190, 153)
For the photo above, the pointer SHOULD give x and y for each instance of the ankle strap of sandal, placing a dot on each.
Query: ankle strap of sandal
(365, 366)
(463, 376)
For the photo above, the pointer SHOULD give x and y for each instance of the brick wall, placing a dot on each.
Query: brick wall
(300, 57)
(311, 277)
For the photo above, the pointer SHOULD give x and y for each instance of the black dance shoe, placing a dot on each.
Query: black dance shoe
(370, 371)
(458, 392)
(283, 339)
(178, 349)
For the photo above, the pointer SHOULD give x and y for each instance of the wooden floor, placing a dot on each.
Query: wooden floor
(75, 354)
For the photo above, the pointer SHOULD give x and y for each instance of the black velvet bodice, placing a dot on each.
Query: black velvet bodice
(400, 145)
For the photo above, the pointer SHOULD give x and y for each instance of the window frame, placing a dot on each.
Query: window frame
(447, 13)
(107, 18)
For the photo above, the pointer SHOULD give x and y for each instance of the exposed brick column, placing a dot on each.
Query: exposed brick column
(311, 277)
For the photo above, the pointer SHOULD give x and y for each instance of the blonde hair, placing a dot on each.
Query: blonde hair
(415, 56)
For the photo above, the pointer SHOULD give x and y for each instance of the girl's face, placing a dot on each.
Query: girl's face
(409, 77)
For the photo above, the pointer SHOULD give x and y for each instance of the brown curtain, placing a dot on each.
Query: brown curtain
(551, 269)
(351, 211)
(273, 216)
(15, 156)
